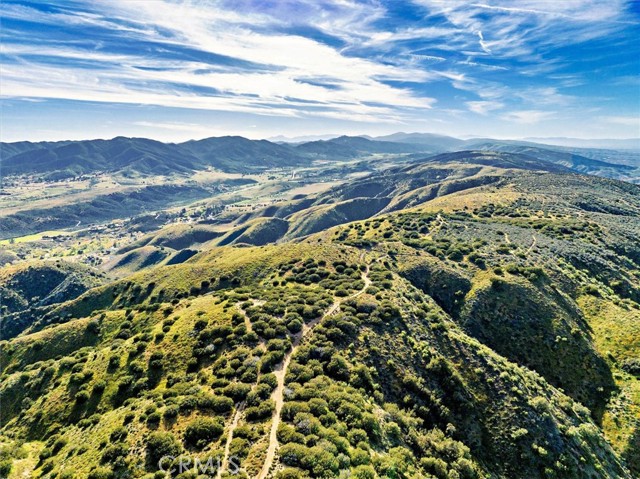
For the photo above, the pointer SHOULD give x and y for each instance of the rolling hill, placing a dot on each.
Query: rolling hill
(472, 315)
(102, 208)
(238, 154)
(141, 156)
(346, 147)
(570, 160)
(80, 157)
(234, 154)
(431, 140)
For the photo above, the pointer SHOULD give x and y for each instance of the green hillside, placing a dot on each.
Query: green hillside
(474, 316)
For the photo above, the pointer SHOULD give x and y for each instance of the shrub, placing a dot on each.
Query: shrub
(5, 467)
(202, 431)
(58, 444)
(364, 472)
(292, 454)
(171, 411)
(153, 418)
(99, 386)
(114, 362)
(357, 436)
(100, 473)
(113, 453)
(338, 368)
(216, 403)
(592, 290)
(269, 379)
(188, 403)
(82, 396)
(93, 326)
(160, 444)
(290, 473)
(497, 283)
(239, 447)
(118, 434)
(237, 391)
(261, 411)
(631, 366)
(128, 417)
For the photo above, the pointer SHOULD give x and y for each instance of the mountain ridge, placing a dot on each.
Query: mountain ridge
(235, 154)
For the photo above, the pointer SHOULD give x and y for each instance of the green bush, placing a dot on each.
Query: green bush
(338, 368)
(364, 472)
(118, 434)
(112, 453)
(101, 473)
(154, 418)
(160, 444)
(237, 391)
(261, 411)
(99, 386)
(216, 403)
(171, 411)
(202, 431)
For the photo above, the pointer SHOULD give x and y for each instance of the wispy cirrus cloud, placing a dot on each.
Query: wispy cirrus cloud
(281, 67)
(529, 117)
(623, 120)
(484, 107)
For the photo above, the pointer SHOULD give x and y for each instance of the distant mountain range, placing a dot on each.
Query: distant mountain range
(133, 156)
(615, 144)
(142, 156)
(450, 142)
(434, 141)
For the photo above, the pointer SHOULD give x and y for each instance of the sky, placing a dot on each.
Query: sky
(177, 70)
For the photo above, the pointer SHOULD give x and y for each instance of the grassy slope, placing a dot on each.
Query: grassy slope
(436, 370)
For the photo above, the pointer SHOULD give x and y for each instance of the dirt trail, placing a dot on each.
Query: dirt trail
(247, 323)
(532, 245)
(281, 372)
(441, 222)
(225, 459)
(240, 408)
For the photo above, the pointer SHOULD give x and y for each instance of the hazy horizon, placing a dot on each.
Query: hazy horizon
(557, 141)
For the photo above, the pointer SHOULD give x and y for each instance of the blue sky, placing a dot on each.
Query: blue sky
(259, 68)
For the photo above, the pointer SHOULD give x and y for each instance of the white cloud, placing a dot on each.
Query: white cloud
(290, 63)
(527, 28)
(364, 70)
(624, 120)
(528, 117)
(484, 107)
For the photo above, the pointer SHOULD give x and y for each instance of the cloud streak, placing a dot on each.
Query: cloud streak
(528, 117)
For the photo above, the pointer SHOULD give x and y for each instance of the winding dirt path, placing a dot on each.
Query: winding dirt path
(281, 372)
(227, 446)
(240, 407)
